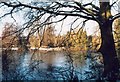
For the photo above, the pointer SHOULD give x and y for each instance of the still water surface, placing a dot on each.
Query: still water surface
(60, 65)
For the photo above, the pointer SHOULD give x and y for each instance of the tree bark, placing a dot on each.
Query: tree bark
(111, 63)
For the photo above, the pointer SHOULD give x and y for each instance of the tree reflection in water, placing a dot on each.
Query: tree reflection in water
(50, 66)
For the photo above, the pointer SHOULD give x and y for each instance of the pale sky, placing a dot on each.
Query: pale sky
(90, 25)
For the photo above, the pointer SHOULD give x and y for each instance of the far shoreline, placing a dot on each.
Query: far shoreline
(46, 49)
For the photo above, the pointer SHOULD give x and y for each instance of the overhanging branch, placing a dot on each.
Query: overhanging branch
(47, 10)
(115, 16)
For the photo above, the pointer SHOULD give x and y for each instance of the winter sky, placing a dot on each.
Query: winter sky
(90, 25)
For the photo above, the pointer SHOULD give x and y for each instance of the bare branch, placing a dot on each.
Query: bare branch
(116, 16)
(48, 10)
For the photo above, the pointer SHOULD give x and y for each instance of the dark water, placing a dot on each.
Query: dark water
(60, 65)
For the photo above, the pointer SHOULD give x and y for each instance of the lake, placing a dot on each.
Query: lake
(52, 65)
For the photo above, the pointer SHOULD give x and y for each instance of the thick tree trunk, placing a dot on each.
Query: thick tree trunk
(111, 63)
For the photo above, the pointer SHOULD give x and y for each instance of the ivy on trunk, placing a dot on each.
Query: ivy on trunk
(111, 63)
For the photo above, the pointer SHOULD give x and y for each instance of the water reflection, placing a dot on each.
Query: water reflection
(46, 66)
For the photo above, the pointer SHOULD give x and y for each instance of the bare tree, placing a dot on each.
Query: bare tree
(100, 13)
(9, 36)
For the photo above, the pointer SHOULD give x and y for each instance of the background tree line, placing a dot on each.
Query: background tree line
(75, 39)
